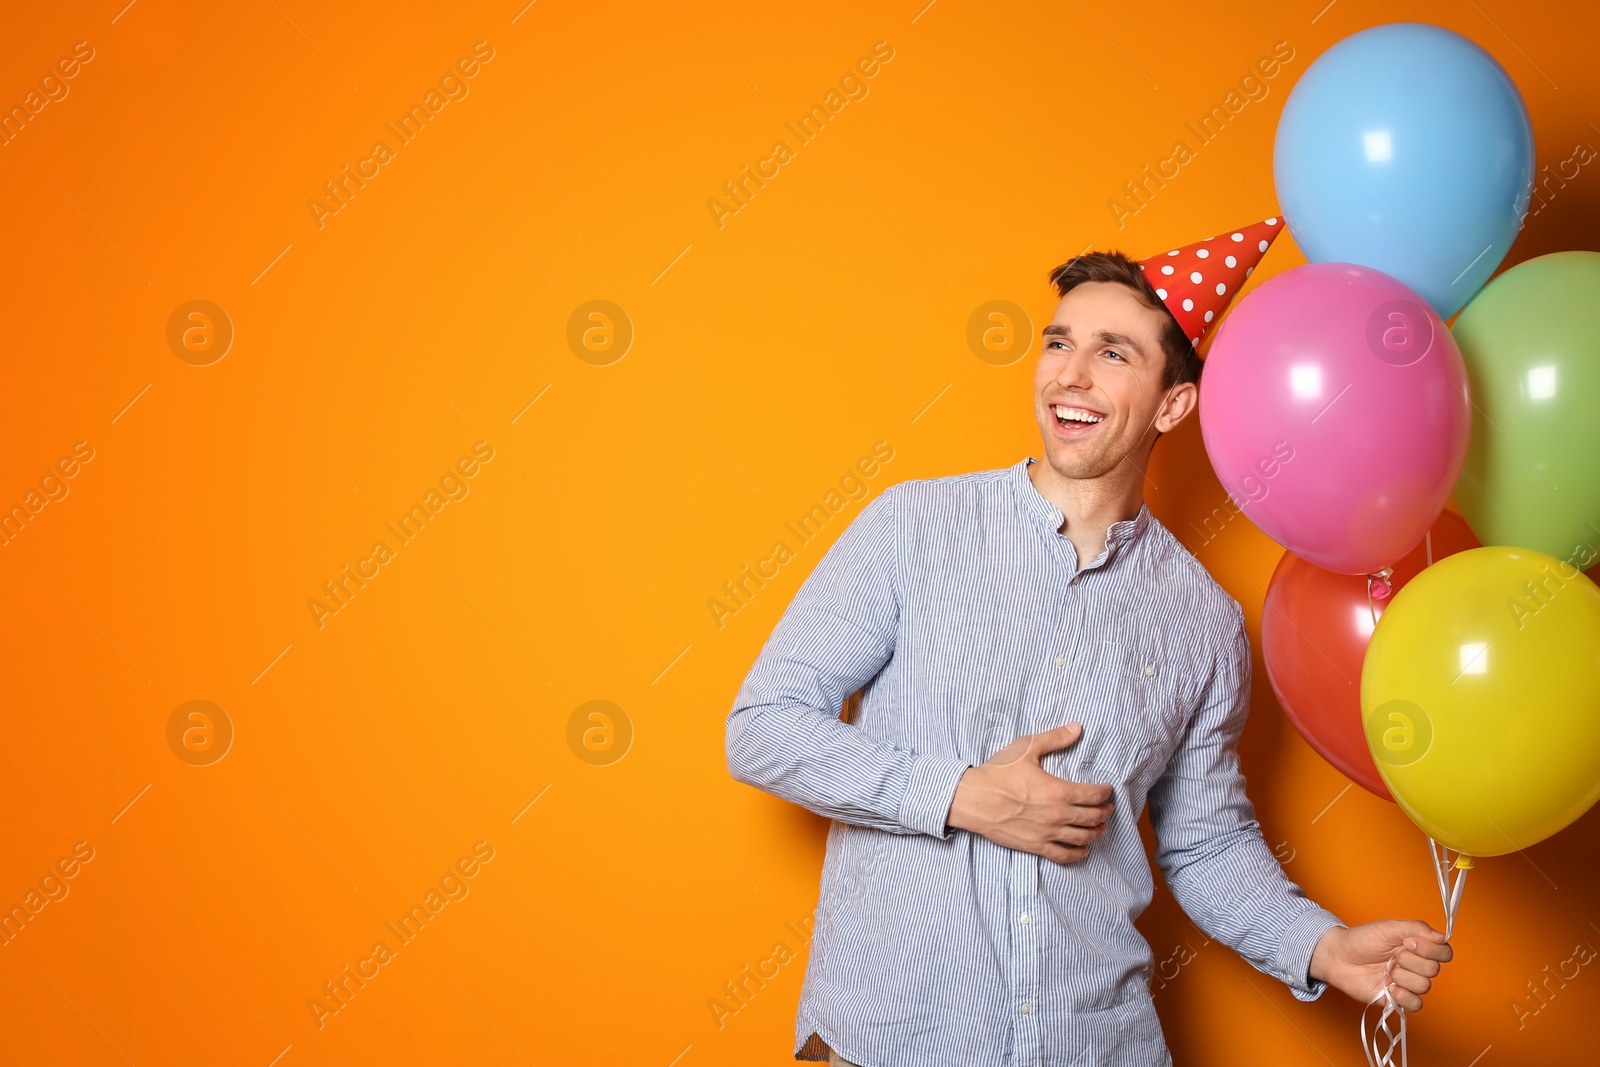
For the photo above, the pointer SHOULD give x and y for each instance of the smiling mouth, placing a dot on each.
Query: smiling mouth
(1076, 419)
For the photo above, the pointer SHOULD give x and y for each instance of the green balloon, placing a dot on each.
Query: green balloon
(1531, 342)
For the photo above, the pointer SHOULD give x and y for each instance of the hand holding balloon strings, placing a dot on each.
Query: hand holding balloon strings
(1389, 1029)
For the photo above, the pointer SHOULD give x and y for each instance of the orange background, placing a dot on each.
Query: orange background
(432, 712)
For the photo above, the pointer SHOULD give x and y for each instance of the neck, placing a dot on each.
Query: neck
(1090, 505)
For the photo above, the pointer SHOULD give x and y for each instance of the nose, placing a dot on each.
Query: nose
(1073, 371)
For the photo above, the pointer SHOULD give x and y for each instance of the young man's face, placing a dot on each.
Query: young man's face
(1102, 360)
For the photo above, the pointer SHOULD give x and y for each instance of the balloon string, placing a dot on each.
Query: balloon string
(1441, 865)
(1386, 1035)
(1455, 901)
(1450, 891)
(1464, 866)
(1384, 577)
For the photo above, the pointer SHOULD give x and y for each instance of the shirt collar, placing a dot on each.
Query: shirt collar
(1050, 518)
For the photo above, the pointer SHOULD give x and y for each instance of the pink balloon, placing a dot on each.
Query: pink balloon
(1335, 410)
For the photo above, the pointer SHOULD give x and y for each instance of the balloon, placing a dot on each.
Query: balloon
(1480, 695)
(1408, 149)
(1531, 342)
(1314, 633)
(1334, 408)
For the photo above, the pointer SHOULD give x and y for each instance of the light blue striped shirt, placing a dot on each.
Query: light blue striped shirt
(961, 609)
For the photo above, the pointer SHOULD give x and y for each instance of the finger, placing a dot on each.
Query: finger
(1063, 854)
(1087, 794)
(1034, 747)
(1087, 815)
(1010, 754)
(1411, 980)
(1405, 998)
(1427, 947)
(1411, 961)
(1084, 818)
(1408, 929)
(1052, 740)
(1080, 836)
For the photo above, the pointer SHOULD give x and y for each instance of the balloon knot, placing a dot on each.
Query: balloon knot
(1378, 584)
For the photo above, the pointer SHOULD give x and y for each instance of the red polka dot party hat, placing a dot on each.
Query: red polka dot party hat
(1197, 282)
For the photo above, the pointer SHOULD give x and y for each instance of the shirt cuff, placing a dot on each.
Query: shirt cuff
(930, 792)
(1295, 950)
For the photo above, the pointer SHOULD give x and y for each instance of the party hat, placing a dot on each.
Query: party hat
(1197, 282)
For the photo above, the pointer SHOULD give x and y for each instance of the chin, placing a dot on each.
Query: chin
(1078, 461)
(1068, 463)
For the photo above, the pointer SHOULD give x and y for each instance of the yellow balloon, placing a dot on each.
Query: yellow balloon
(1480, 696)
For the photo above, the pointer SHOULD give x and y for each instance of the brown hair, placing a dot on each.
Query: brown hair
(1183, 364)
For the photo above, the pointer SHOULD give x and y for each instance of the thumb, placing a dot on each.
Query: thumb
(1407, 928)
(1053, 740)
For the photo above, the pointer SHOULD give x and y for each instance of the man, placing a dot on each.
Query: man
(984, 866)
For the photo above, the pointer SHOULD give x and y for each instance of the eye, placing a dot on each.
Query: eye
(1050, 342)
(1114, 352)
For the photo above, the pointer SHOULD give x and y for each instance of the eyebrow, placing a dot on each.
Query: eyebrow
(1110, 337)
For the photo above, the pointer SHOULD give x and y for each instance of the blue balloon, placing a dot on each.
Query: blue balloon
(1406, 148)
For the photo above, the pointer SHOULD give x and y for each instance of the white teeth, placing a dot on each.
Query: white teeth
(1077, 414)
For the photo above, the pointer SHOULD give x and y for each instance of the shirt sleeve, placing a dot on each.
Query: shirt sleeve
(784, 734)
(1210, 847)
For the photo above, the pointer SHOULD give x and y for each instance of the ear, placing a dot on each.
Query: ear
(1176, 405)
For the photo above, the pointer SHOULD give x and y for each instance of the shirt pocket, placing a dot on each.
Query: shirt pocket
(1139, 689)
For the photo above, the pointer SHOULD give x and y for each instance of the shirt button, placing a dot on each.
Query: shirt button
(1025, 1008)
(1060, 660)
(1150, 670)
(1024, 920)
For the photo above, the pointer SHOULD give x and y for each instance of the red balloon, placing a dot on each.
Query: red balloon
(1314, 633)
